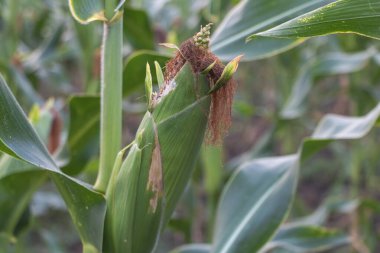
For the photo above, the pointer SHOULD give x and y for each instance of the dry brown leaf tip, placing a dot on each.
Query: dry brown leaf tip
(155, 181)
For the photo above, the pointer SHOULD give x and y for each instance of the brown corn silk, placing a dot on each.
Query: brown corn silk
(219, 120)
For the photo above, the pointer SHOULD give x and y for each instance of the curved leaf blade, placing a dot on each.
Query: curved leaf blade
(337, 127)
(135, 69)
(193, 248)
(253, 188)
(306, 239)
(17, 136)
(262, 190)
(19, 139)
(343, 16)
(86, 11)
(250, 17)
(87, 209)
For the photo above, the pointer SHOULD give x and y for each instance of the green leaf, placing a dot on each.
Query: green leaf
(83, 136)
(137, 29)
(148, 86)
(328, 64)
(263, 190)
(86, 11)
(120, 5)
(171, 46)
(306, 239)
(19, 180)
(342, 16)
(134, 69)
(337, 127)
(87, 209)
(19, 139)
(193, 248)
(227, 74)
(159, 74)
(16, 191)
(209, 68)
(17, 136)
(250, 17)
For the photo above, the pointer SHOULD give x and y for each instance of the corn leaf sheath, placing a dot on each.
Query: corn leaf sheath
(144, 190)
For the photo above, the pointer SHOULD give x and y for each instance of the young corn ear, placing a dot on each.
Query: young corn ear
(146, 186)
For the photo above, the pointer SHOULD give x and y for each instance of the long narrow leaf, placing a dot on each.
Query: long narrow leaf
(19, 139)
(343, 16)
(263, 188)
(250, 17)
(305, 239)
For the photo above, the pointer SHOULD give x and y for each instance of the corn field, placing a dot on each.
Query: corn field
(205, 126)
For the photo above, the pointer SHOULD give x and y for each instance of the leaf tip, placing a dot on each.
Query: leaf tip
(148, 85)
(227, 73)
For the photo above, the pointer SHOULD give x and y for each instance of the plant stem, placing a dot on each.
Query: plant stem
(111, 101)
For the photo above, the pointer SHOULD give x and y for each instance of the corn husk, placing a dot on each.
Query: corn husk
(146, 186)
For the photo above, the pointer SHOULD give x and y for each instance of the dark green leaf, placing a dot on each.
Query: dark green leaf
(135, 69)
(17, 136)
(137, 29)
(19, 139)
(83, 136)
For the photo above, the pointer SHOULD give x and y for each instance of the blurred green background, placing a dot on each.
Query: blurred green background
(280, 99)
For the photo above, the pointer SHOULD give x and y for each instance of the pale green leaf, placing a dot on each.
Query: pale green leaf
(193, 248)
(159, 74)
(305, 239)
(342, 16)
(86, 11)
(148, 86)
(263, 188)
(337, 127)
(227, 74)
(250, 17)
